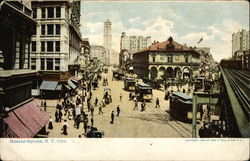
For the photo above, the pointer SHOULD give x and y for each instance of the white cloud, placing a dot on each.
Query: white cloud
(94, 28)
(134, 20)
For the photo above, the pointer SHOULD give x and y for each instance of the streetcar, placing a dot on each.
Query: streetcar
(208, 85)
(181, 107)
(129, 84)
(199, 83)
(144, 92)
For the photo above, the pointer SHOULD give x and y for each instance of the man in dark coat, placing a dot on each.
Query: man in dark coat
(112, 117)
(157, 103)
(45, 106)
(118, 110)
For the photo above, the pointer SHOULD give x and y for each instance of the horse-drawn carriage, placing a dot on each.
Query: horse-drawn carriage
(107, 95)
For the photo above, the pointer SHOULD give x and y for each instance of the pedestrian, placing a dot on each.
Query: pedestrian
(92, 121)
(136, 105)
(96, 101)
(45, 106)
(50, 123)
(112, 117)
(65, 127)
(130, 96)
(100, 108)
(92, 111)
(78, 120)
(118, 110)
(42, 104)
(157, 103)
(120, 96)
(57, 116)
(60, 116)
(85, 123)
(142, 107)
(183, 90)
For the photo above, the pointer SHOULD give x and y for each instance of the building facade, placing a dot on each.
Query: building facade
(207, 63)
(107, 40)
(134, 43)
(98, 52)
(167, 59)
(85, 54)
(56, 44)
(19, 115)
(240, 41)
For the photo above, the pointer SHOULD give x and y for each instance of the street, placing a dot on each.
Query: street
(153, 122)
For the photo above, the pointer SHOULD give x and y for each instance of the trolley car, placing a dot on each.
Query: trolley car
(129, 84)
(199, 83)
(181, 107)
(144, 92)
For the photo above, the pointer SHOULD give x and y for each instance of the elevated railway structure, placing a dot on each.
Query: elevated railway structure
(235, 94)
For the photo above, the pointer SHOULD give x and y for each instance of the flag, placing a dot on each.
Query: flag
(200, 40)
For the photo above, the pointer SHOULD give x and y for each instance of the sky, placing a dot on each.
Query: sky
(186, 22)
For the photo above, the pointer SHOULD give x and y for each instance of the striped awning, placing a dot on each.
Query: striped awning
(25, 121)
(71, 84)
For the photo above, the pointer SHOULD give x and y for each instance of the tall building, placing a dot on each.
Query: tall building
(56, 45)
(98, 53)
(240, 41)
(19, 115)
(107, 40)
(134, 43)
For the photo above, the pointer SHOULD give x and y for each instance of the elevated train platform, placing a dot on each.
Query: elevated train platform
(235, 94)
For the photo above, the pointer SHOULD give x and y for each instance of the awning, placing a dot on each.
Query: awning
(71, 84)
(25, 121)
(76, 78)
(67, 86)
(59, 87)
(48, 85)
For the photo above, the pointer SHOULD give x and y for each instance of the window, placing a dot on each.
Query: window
(18, 53)
(26, 56)
(153, 58)
(58, 29)
(50, 29)
(43, 29)
(58, 12)
(50, 46)
(50, 12)
(34, 13)
(57, 64)
(42, 45)
(33, 46)
(186, 59)
(170, 59)
(42, 64)
(33, 63)
(57, 45)
(49, 63)
(43, 12)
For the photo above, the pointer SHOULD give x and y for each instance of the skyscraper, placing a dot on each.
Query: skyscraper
(240, 41)
(107, 40)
